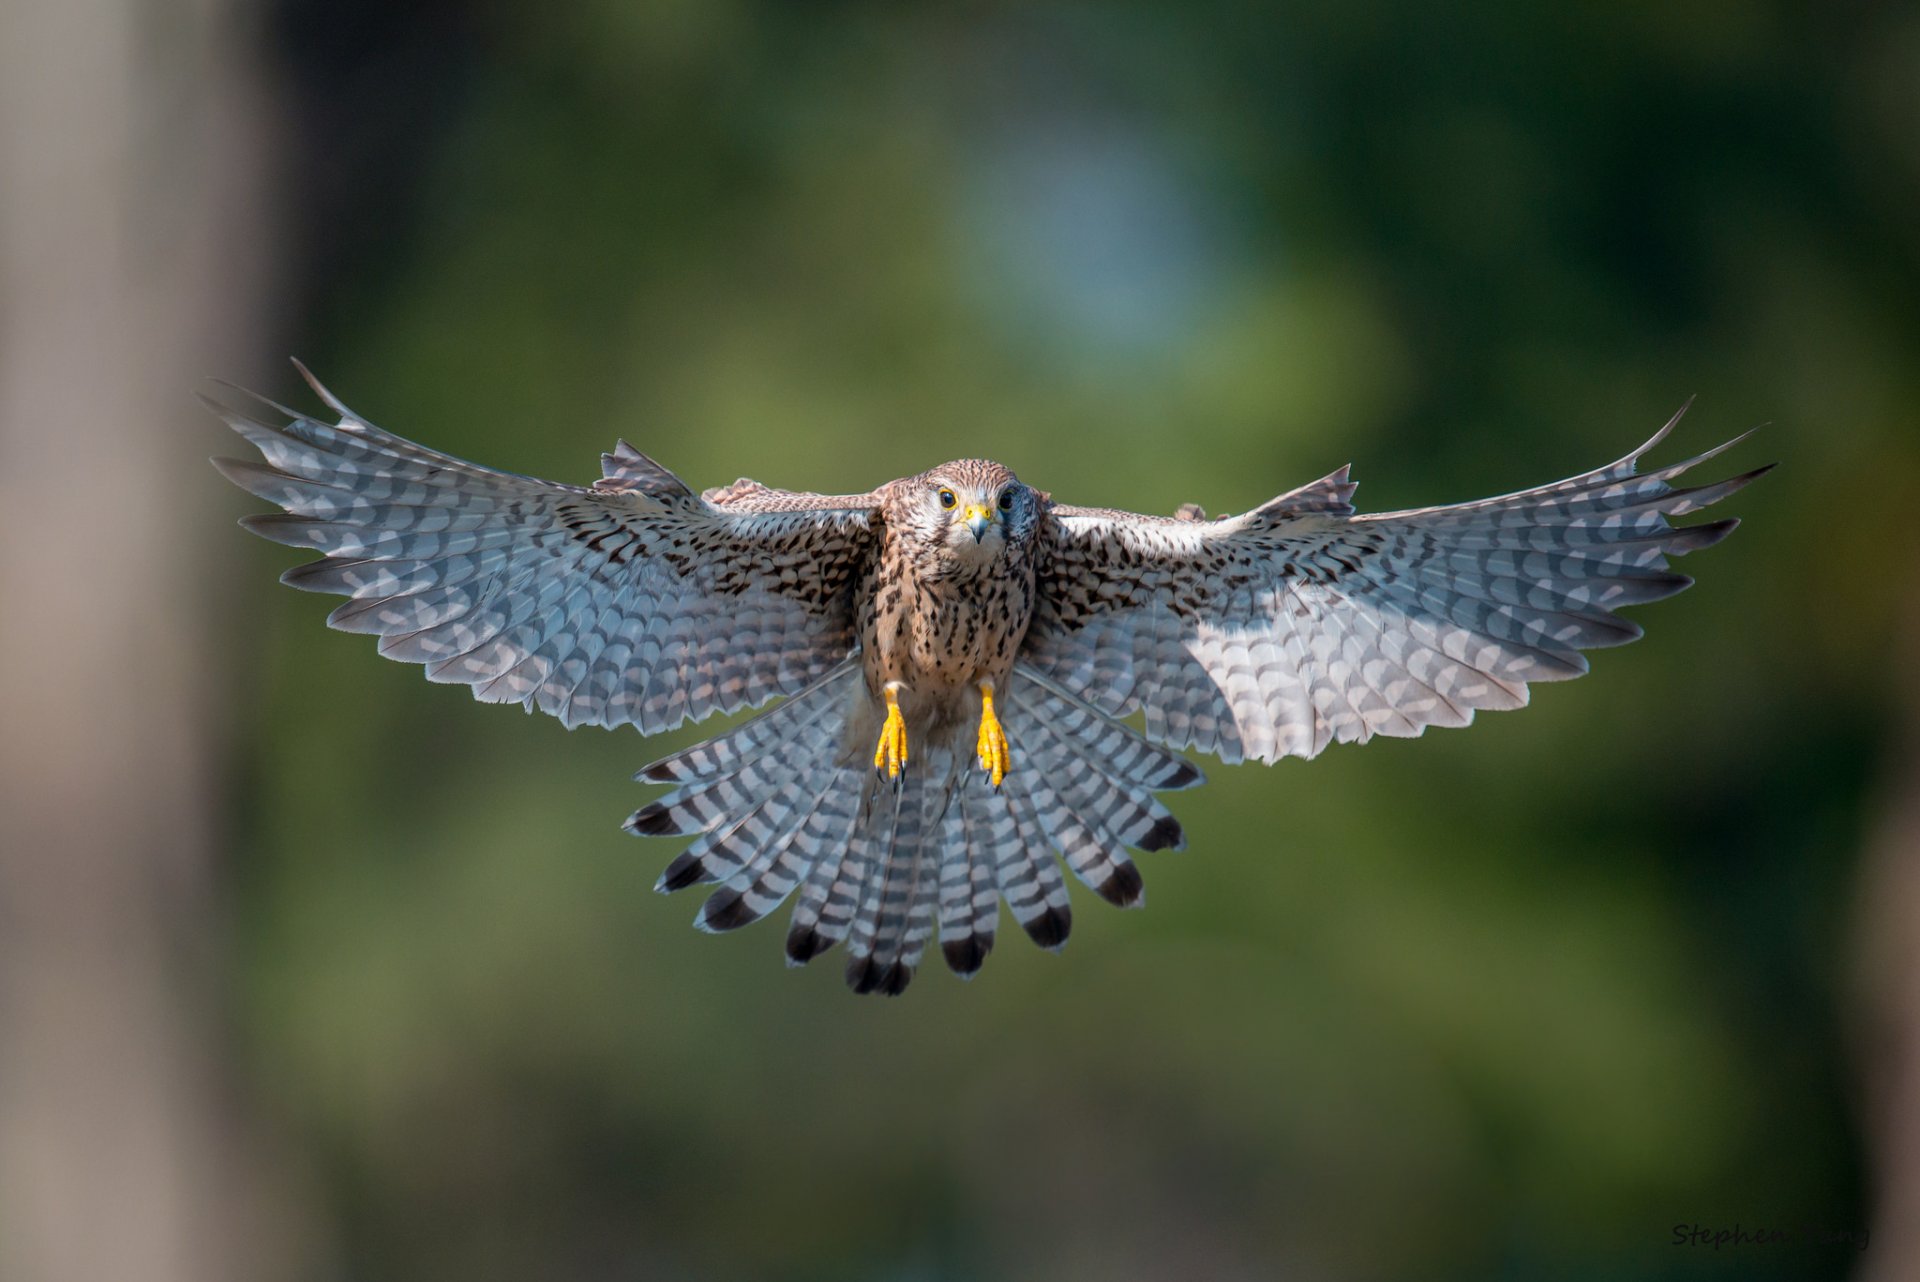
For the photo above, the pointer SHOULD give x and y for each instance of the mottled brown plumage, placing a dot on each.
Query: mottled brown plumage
(954, 651)
(943, 611)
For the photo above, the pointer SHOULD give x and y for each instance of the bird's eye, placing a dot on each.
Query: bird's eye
(946, 498)
(1006, 500)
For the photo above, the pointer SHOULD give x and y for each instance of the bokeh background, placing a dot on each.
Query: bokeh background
(311, 970)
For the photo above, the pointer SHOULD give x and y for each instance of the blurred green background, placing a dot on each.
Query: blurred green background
(1504, 1003)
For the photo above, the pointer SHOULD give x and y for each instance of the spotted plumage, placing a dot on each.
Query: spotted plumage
(985, 638)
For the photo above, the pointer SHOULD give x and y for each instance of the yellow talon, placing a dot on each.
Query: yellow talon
(891, 755)
(995, 757)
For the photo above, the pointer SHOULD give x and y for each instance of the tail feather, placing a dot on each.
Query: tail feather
(834, 895)
(1100, 863)
(919, 931)
(776, 808)
(831, 833)
(710, 857)
(703, 804)
(741, 814)
(881, 953)
(717, 756)
(1123, 753)
(763, 883)
(892, 829)
(969, 899)
(1130, 817)
(1029, 879)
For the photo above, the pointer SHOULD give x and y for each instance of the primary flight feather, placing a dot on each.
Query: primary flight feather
(955, 650)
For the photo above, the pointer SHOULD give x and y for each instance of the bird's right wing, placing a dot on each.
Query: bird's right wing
(1300, 623)
(633, 600)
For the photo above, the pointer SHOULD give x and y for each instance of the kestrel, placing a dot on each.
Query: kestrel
(953, 651)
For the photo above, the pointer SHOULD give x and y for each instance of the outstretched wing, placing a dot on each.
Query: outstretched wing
(634, 600)
(1298, 624)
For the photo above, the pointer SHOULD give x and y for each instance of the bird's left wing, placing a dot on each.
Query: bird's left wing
(632, 600)
(1300, 623)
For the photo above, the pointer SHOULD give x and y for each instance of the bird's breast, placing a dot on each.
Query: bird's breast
(937, 632)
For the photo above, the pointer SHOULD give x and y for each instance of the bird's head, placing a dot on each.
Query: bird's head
(973, 510)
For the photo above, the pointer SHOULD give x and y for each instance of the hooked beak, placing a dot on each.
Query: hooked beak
(978, 520)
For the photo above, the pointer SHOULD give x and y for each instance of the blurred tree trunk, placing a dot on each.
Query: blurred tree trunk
(131, 260)
(1890, 973)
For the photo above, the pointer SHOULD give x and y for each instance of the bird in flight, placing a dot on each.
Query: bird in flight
(953, 651)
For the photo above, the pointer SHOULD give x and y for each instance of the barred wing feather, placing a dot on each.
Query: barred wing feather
(633, 600)
(1299, 624)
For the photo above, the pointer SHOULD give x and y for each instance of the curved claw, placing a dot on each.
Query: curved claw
(890, 757)
(996, 758)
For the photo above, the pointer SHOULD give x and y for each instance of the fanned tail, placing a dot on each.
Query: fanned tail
(778, 805)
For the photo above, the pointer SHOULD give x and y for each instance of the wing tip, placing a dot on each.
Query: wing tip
(1671, 423)
(319, 389)
(239, 419)
(280, 527)
(260, 479)
(232, 468)
(1692, 538)
(1632, 460)
(300, 576)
